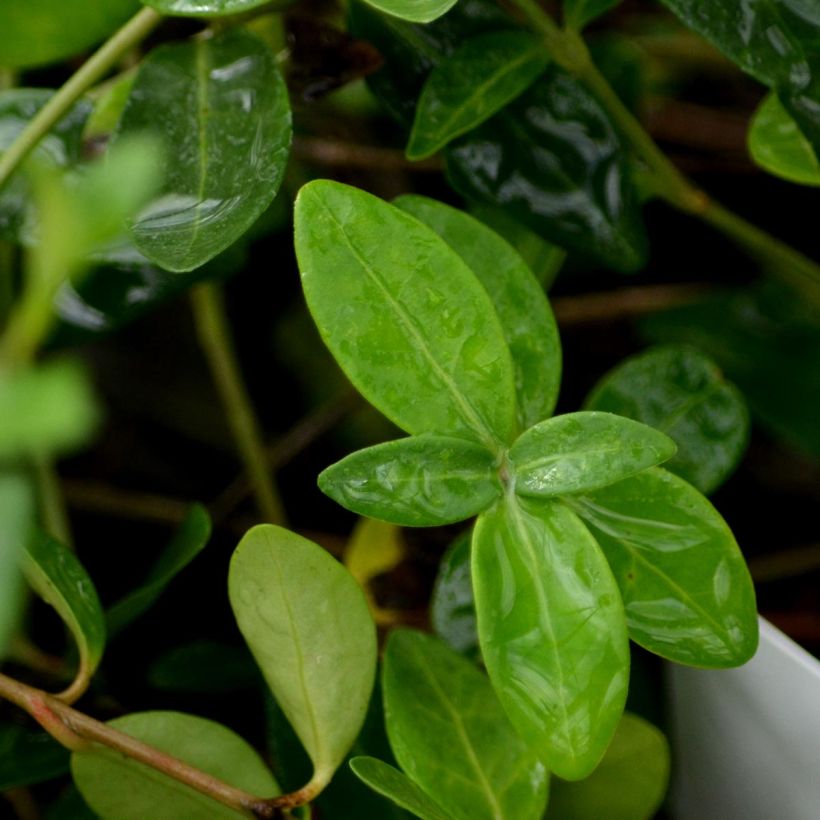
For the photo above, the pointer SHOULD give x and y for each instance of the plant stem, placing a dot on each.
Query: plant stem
(215, 338)
(52, 504)
(93, 70)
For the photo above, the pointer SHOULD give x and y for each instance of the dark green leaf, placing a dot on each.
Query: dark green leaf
(70, 806)
(681, 392)
(553, 160)
(777, 144)
(210, 100)
(552, 629)
(629, 784)
(421, 481)
(526, 317)
(477, 81)
(202, 8)
(405, 318)
(56, 575)
(686, 589)
(451, 736)
(584, 451)
(452, 611)
(189, 540)
(389, 781)
(44, 31)
(204, 666)
(119, 788)
(308, 626)
(577, 13)
(28, 757)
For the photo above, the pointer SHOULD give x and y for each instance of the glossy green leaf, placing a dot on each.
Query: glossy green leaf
(552, 630)
(56, 575)
(204, 666)
(477, 81)
(584, 451)
(777, 144)
(452, 610)
(28, 757)
(525, 314)
(44, 31)
(686, 589)
(421, 481)
(681, 392)
(398, 787)
(416, 11)
(405, 318)
(188, 541)
(46, 410)
(451, 736)
(629, 784)
(553, 160)
(202, 8)
(221, 108)
(118, 788)
(577, 13)
(308, 626)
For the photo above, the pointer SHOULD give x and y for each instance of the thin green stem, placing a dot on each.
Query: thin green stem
(91, 72)
(52, 504)
(216, 342)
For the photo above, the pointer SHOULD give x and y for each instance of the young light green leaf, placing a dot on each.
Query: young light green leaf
(525, 314)
(202, 8)
(421, 481)
(451, 737)
(405, 318)
(552, 630)
(681, 391)
(467, 88)
(398, 787)
(118, 788)
(577, 13)
(629, 783)
(416, 11)
(306, 621)
(686, 589)
(452, 610)
(28, 757)
(209, 99)
(583, 451)
(56, 575)
(777, 144)
(188, 541)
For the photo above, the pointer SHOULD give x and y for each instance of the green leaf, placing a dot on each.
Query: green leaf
(308, 626)
(416, 11)
(56, 575)
(421, 481)
(583, 451)
(686, 589)
(405, 318)
(452, 610)
(204, 666)
(467, 88)
(777, 144)
(28, 757)
(681, 392)
(44, 31)
(188, 541)
(46, 410)
(109, 104)
(552, 630)
(202, 8)
(118, 788)
(209, 100)
(526, 317)
(451, 736)
(554, 161)
(629, 784)
(398, 787)
(577, 13)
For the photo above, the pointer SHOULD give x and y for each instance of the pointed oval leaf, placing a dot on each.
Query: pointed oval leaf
(202, 8)
(552, 630)
(56, 575)
(686, 589)
(416, 11)
(629, 783)
(451, 736)
(405, 318)
(208, 99)
(188, 541)
(525, 314)
(452, 610)
(577, 13)
(118, 788)
(467, 88)
(583, 451)
(28, 757)
(777, 144)
(681, 391)
(306, 621)
(421, 481)
(398, 787)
